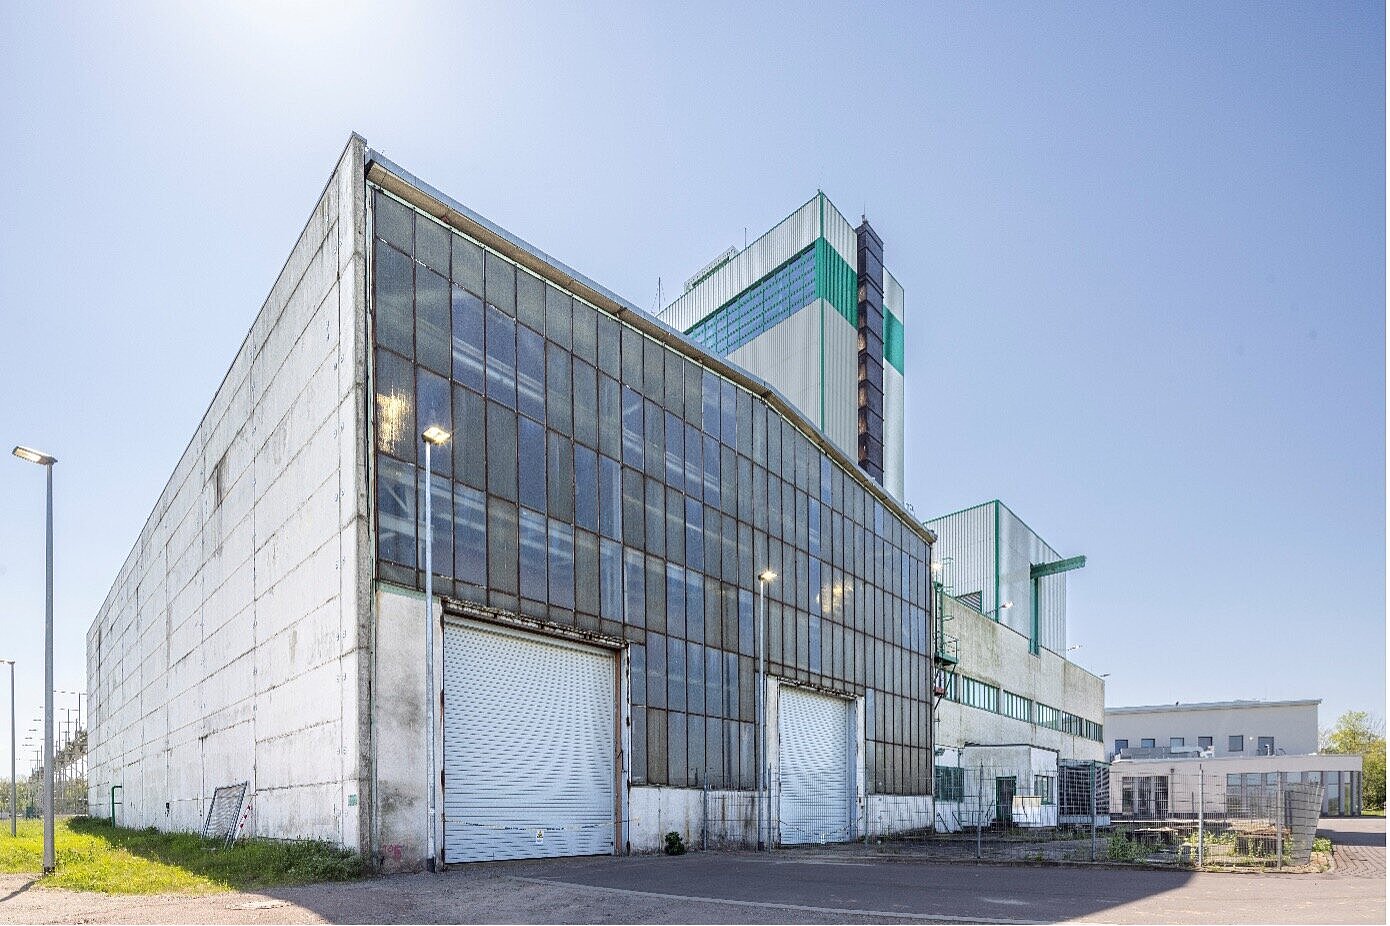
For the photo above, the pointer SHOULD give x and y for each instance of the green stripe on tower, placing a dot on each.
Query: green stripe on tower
(837, 282)
(893, 340)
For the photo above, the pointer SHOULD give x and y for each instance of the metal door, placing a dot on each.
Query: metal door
(1004, 791)
(815, 744)
(528, 746)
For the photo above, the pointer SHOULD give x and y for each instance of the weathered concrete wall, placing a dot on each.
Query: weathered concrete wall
(399, 709)
(994, 653)
(229, 648)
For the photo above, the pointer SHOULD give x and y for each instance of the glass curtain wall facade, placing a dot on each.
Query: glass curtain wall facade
(603, 480)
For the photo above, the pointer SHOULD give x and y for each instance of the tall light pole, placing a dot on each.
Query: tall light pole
(434, 436)
(46, 461)
(760, 705)
(14, 789)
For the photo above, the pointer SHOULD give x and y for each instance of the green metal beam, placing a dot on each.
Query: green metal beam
(1062, 565)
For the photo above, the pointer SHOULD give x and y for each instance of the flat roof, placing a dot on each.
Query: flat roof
(1208, 706)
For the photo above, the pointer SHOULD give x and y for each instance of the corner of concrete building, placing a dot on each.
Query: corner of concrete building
(229, 647)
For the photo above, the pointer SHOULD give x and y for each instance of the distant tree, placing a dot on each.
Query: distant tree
(1361, 733)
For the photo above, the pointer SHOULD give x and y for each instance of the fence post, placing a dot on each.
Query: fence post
(1095, 810)
(1201, 816)
(1279, 823)
(704, 816)
(980, 814)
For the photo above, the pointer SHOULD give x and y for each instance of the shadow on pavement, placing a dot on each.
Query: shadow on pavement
(1353, 831)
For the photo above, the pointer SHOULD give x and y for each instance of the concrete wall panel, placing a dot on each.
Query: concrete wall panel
(247, 546)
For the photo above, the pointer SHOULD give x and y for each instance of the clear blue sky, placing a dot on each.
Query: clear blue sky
(1143, 247)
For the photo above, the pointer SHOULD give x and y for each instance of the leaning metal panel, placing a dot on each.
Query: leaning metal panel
(224, 812)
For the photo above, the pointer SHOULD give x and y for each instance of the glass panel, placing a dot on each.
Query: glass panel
(500, 282)
(470, 426)
(467, 339)
(560, 476)
(501, 358)
(470, 535)
(561, 564)
(395, 291)
(530, 300)
(395, 222)
(501, 451)
(432, 328)
(530, 373)
(395, 505)
(501, 545)
(531, 477)
(432, 400)
(468, 265)
(395, 406)
(610, 580)
(533, 555)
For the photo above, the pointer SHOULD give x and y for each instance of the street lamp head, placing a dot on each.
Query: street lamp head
(436, 435)
(34, 456)
(767, 575)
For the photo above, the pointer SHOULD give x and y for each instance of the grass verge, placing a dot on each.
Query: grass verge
(93, 855)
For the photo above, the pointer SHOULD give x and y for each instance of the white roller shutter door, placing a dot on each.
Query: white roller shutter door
(529, 751)
(816, 787)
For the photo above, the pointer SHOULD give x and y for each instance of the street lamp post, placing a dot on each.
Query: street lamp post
(434, 436)
(46, 461)
(14, 789)
(760, 705)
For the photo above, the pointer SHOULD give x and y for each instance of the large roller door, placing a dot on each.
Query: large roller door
(528, 746)
(815, 746)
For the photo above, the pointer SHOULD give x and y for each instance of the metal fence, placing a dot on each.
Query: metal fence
(1188, 816)
(1183, 818)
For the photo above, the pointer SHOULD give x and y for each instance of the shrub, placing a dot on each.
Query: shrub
(674, 844)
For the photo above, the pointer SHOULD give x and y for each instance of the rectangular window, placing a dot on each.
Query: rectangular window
(561, 564)
(1265, 745)
(530, 373)
(1045, 787)
(1204, 742)
(467, 339)
(533, 555)
(1176, 741)
(501, 358)
(585, 487)
(610, 565)
(610, 498)
(1121, 745)
(432, 334)
(633, 437)
(470, 535)
(1235, 743)
(395, 505)
(950, 784)
(1146, 743)
(530, 475)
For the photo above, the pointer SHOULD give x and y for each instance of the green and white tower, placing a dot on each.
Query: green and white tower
(810, 308)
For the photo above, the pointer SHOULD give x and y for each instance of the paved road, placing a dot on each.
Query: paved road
(801, 887)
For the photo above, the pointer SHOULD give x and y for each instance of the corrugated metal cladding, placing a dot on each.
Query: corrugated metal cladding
(894, 395)
(528, 746)
(841, 380)
(815, 768)
(786, 356)
(839, 232)
(1019, 550)
(965, 548)
(968, 538)
(794, 233)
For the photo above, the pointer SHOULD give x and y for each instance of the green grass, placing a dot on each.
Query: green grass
(93, 855)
